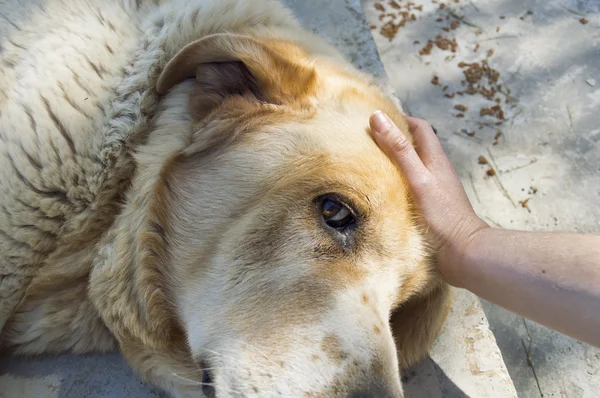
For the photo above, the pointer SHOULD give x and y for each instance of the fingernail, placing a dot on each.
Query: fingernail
(381, 122)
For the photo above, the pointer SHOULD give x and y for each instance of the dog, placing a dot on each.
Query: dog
(194, 183)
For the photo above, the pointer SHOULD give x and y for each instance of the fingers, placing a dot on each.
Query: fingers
(427, 144)
(398, 147)
(432, 154)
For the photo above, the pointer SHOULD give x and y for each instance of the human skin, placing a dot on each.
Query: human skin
(550, 278)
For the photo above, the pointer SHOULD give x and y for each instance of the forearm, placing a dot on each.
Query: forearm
(553, 279)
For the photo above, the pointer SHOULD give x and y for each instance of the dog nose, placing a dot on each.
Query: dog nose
(362, 394)
(376, 393)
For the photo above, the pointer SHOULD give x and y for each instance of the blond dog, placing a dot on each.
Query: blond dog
(194, 182)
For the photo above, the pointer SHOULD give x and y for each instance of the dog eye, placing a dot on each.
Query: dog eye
(336, 214)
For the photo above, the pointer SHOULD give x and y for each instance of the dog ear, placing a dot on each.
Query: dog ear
(225, 65)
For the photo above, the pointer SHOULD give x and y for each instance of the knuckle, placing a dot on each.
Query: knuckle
(423, 181)
(424, 125)
(400, 144)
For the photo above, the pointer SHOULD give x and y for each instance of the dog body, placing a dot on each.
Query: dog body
(193, 182)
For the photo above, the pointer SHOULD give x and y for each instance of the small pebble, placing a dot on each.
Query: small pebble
(591, 82)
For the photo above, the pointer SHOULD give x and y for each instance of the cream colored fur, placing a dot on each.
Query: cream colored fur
(109, 240)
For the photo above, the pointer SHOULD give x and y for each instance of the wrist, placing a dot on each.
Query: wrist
(462, 254)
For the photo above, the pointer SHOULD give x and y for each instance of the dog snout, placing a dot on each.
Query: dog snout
(376, 393)
(376, 387)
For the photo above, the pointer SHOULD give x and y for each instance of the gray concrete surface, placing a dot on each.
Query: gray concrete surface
(69, 376)
(548, 153)
(465, 360)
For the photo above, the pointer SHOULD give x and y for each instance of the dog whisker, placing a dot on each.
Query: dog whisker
(215, 353)
(186, 379)
(199, 383)
(257, 349)
(197, 372)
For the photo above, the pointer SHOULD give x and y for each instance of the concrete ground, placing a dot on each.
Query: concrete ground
(465, 360)
(540, 145)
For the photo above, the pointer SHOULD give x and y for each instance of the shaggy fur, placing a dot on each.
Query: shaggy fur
(160, 168)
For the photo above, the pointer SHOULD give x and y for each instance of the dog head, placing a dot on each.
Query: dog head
(277, 238)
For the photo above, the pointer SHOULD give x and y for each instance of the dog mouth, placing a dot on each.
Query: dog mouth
(208, 385)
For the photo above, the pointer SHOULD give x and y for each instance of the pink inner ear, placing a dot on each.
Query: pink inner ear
(219, 80)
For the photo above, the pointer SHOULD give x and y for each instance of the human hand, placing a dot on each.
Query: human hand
(447, 215)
